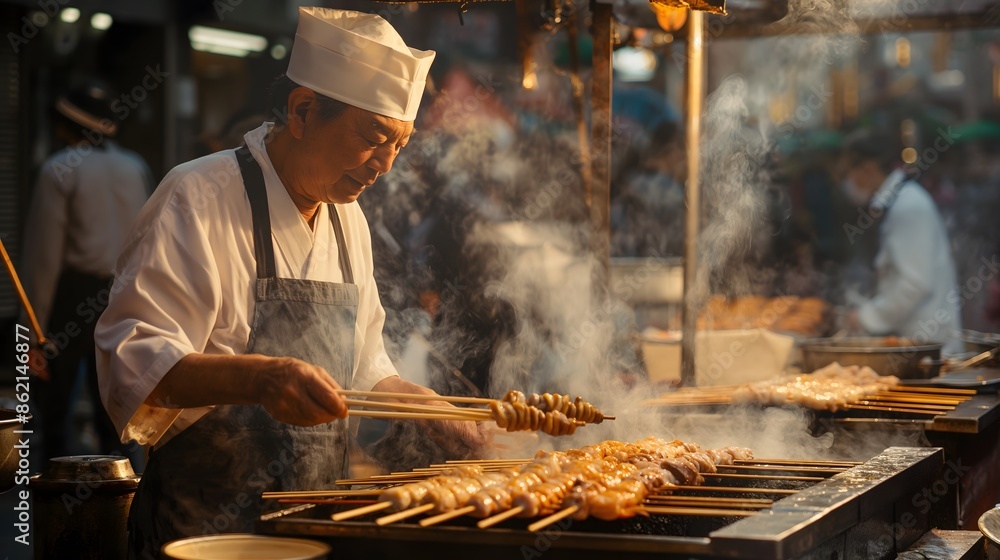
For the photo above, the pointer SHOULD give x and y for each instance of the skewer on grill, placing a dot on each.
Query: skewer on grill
(551, 413)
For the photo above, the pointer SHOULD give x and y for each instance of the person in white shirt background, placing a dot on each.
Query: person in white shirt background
(85, 200)
(915, 273)
(245, 296)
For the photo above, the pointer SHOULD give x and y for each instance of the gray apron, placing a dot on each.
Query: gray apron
(209, 478)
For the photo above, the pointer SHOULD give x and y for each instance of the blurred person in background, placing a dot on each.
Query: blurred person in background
(85, 199)
(916, 285)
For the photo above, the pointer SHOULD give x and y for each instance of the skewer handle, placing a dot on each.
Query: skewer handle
(9, 265)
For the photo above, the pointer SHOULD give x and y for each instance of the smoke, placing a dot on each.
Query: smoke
(517, 307)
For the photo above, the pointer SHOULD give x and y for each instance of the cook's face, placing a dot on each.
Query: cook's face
(345, 155)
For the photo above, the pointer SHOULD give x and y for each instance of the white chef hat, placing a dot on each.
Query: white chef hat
(359, 59)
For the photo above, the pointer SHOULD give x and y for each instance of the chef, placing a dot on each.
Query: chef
(244, 298)
(916, 279)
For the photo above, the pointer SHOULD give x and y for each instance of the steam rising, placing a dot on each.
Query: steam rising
(516, 199)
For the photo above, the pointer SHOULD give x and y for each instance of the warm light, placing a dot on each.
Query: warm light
(221, 41)
(279, 51)
(669, 18)
(908, 130)
(530, 80)
(909, 155)
(101, 21)
(69, 15)
(903, 52)
(634, 64)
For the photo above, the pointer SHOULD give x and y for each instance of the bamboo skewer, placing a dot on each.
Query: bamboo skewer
(942, 408)
(441, 518)
(321, 494)
(764, 477)
(756, 461)
(787, 468)
(733, 489)
(555, 517)
(695, 511)
(891, 409)
(748, 502)
(286, 511)
(415, 397)
(21, 295)
(406, 407)
(910, 389)
(405, 514)
(500, 517)
(358, 512)
(386, 414)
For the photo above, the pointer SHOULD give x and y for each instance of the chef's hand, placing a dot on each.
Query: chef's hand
(299, 393)
(457, 438)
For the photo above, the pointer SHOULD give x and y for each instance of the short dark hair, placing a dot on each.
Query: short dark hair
(282, 86)
(868, 144)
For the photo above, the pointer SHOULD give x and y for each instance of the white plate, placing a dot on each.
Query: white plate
(245, 547)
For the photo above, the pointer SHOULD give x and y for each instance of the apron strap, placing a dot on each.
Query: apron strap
(345, 259)
(253, 181)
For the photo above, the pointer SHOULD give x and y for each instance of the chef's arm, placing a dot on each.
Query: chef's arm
(291, 390)
(909, 243)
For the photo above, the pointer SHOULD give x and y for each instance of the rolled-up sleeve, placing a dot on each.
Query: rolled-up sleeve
(164, 303)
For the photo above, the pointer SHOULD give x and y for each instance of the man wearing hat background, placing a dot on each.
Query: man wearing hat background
(245, 296)
(85, 199)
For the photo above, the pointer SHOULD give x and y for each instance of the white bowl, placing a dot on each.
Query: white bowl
(245, 547)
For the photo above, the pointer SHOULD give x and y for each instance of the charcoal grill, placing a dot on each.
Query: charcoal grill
(865, 511)
(969, 435)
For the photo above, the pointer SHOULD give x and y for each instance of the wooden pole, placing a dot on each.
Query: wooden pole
(694, 94)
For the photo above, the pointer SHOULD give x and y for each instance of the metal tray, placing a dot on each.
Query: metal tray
(984, 380)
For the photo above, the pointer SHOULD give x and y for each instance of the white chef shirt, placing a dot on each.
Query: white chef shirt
(83, 206)
(185, 283)
(917, 283)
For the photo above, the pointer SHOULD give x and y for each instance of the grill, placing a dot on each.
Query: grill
(969, 435)
(818, 510)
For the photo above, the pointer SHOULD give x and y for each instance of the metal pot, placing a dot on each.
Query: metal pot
(989, 524)
(82, 504)
(887, 356)
(8, 455)
(242, 546)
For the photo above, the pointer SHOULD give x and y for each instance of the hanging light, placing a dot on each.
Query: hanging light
(69, 15)
(222, 41)
(669, 18)
(101, 21)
